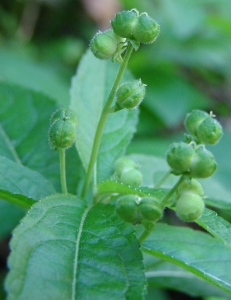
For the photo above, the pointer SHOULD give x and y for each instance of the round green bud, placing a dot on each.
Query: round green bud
(62, 134)
(124, 22)
(127, 208)
(130, 94)
(192, 186)
(209, 131)
(124, 163)
(131, 177)
(146, 30)
(189, 207)
(193, 120)
(104, 45)
(203, 164)
(64, 114)
(150, 208)
(180, 156)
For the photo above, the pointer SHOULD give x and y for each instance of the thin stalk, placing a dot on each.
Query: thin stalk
(63, 170)
(103, 119)
(145, 234)
(164, 201)
(162, 180)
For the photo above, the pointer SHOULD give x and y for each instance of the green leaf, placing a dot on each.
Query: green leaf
(21, 185)
(118, 133)
(89, 90)
(112, 187)
(215, 225)
(193, 250)
(165, 275)
(31, 75)
(24, 124)
(74, 251)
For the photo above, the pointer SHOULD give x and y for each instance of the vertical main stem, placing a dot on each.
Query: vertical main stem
(63, 170)
(103, 119)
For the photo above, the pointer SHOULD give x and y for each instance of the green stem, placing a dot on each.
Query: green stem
(164, 201)
(103, 119)
(162, 180)
(63, 170)
(145, 234)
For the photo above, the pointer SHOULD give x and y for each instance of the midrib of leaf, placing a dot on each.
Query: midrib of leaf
(10, 145)
(175, 274)
(77, 248)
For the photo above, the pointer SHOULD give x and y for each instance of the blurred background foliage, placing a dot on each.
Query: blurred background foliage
(189, 66)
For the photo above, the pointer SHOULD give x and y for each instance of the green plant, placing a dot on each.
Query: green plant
(74, 245)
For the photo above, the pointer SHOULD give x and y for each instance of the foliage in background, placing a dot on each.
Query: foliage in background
(188, 68)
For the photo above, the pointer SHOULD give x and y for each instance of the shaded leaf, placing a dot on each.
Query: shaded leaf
(165, 275)
(32, 76)
(216, 225)
(195, 251)
(21, 185)
(24, 124)
(74, 251)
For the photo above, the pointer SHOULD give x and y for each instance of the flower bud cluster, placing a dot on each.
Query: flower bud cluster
(203, 127)
(192, 158)
(126, 171)
(134, 26)
(190, 204)
(133, 209)
(126, 26)
(62, 131)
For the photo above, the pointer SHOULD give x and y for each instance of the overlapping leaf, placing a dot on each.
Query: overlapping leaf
(72, 251)
(24, 124)
(90, 88)
(195, 251)
(21, 185)
(166, 275)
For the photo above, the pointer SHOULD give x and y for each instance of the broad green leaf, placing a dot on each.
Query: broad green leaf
(195, 251)
(10, 215)
(216, 225)
(24, 124)
(165, 275)
(118, 133)
(90, 88)
(74, 251)
(115, 187)
(31, 75)
(21, 185)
